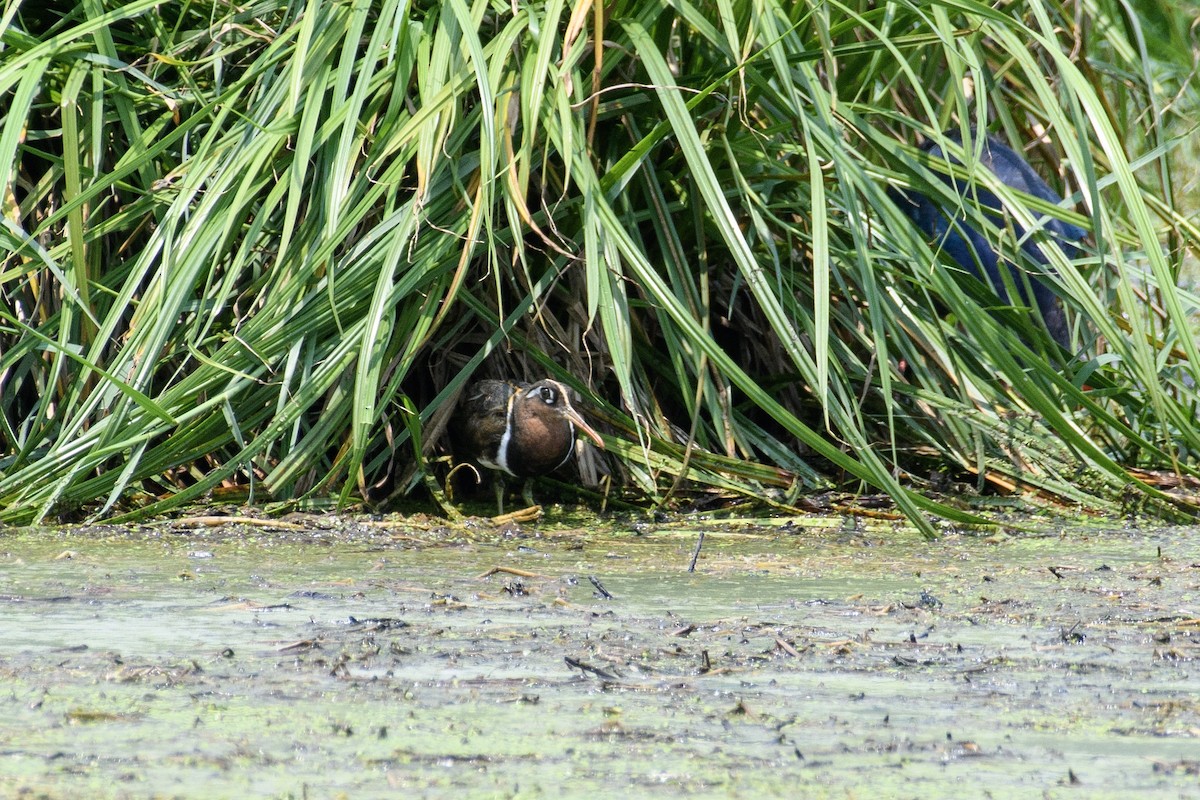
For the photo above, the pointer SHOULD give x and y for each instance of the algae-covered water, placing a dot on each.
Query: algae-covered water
(350, 657)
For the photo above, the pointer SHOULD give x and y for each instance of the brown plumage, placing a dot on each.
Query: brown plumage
(522, 429)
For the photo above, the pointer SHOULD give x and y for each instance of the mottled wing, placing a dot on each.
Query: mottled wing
(479, 421)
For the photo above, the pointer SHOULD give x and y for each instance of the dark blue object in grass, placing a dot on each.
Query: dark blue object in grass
(972, 250)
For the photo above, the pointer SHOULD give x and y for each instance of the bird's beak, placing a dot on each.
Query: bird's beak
(577, 420)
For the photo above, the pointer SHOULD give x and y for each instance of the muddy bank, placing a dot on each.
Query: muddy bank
(360, 658)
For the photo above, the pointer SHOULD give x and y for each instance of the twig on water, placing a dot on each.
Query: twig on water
(584, 667)
(696, 552)
(786, 647)
(520, 573)
(216, 520)
(600, 590)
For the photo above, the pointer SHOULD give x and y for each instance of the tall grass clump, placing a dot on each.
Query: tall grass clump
(266, 244)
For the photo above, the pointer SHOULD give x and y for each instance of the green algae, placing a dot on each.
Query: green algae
(358, 658)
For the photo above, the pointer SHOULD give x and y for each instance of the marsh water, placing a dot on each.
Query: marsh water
(814, 657)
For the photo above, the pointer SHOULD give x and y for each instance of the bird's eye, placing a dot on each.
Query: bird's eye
(549, 396)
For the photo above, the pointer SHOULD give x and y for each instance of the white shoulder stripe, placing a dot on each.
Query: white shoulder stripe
(502, 450)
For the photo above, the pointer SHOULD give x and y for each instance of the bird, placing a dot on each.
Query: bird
(972, 251)
(523, 430)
